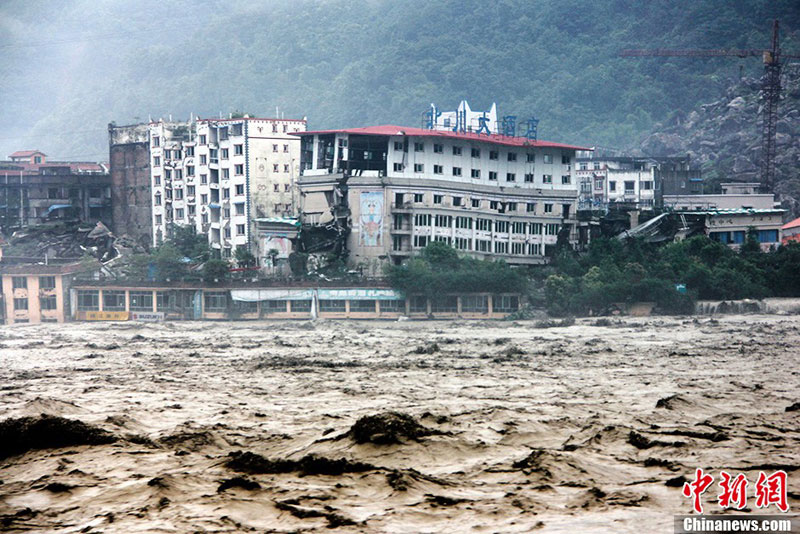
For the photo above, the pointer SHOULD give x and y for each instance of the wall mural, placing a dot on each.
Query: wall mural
(371, 223)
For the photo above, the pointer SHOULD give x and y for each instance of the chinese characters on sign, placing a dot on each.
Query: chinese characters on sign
(768, 490)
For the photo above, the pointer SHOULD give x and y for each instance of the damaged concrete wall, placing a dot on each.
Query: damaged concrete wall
(129, 157)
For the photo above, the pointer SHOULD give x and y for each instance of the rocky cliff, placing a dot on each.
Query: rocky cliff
(724, 138)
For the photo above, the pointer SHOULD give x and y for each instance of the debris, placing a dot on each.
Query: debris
(387, 428)
(311, 464)
(47, 432)
(238, 482)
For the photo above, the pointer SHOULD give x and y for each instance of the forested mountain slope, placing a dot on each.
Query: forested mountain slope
(71, 67)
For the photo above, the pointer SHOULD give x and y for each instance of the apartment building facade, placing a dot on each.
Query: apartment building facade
(391, 190)
(220, 175)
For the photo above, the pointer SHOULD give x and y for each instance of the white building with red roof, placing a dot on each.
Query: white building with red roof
(384, 192)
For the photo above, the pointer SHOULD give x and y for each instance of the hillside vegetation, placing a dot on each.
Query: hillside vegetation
(71, 67)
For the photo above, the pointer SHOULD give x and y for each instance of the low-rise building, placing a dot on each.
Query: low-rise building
(791, 232)
(34, 293)
(733, 196)
(731, 226)
(633, 182)
(381, 193)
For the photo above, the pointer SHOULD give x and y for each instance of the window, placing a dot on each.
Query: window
(158, 220)
(647, 185)
(47, 282)
(418, 197)
(500, 247)
(88, 300)
(190, 170)
(519, 228)
(456, 201)
(438, 169)
(493, 205)
(226, 192)
(274, 148)
(226, 173)
(476, 203)
(419, 167)
(437, 199)
(275, 129)
(238, 169)
(596, 166)
(419, 147)
(517, 248)
(534, 249)
(239, 209)
(21, 304)
(53, 192)
(362, 306)
(456, 171)
(203, 179)
(565, 179)
(19, 282)
(630, 186)
(157, 180)
(548, 208)
(476, 152)
(512, 206)
(512, 156)
(286, 167)
(551, 229)
(444, 304)
(393, 306)
(215, 300)
(203, 139)
(398, 167)
(299, 306)
(536, 228)
(179, 194)
(239, 229)
(437, 148)
(476, 173)
(482, 245)
(443, 221)
(238, 150)
(156, 161)
(475, 304)
(286, 148)
(456, 150)
(398, 145)
(565, 160)
(531, 158)
(48, 302)
(492, 175)
(511, 177)
(548, 158)
(531, 207)
(273, 306)
(332, 306)
(275, 167)
(113, 300)
(501, 227)
(529, 178)
(240, 189)
(204, 198)
(190, 190)
(462, 243)
(224, 153)
(156, 141)
(191, 210)
(494, 154)
(179, 213)
(422, 219)
(420, 241)
(547, 178)
(505, 303)
(484, 225)
(612, 186)
(464, 223)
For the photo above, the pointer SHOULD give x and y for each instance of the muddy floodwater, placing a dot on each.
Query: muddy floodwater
(477, 427)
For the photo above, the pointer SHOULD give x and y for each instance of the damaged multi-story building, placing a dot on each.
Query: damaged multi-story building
(35, 190)
(223, 176)
(380, 193)
(131, 192)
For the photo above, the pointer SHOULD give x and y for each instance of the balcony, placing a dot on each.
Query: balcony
(404, 229)
(405, 207)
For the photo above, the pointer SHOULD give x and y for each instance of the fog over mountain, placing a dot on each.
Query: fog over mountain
(69, 68)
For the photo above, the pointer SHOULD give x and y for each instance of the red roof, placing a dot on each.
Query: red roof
(390, 129)
(25, 153)
(791, 224)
